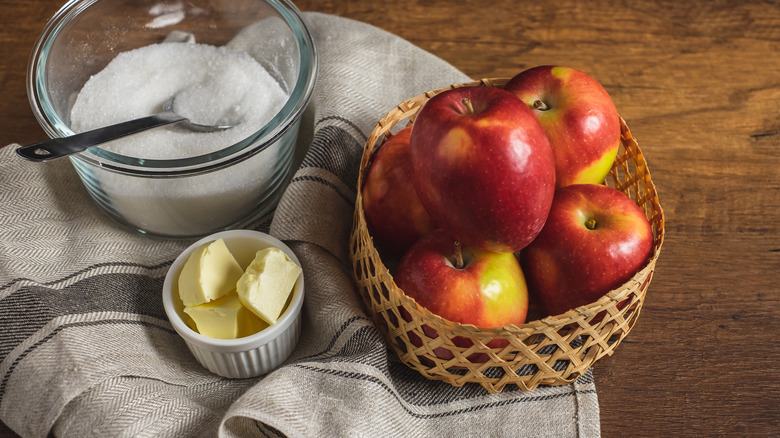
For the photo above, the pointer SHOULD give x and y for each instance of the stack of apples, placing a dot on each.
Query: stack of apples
(495, 197)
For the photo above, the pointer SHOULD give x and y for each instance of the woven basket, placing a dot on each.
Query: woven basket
(555, 350)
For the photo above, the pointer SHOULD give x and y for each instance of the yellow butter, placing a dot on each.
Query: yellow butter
(210, 272)
(267, 283)
(225, 318)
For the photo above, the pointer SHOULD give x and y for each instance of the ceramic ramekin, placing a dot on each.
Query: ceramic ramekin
(249, 356)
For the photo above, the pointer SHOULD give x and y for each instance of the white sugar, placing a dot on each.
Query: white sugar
(213, 85)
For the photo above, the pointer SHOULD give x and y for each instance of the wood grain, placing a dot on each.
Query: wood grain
(698, 83)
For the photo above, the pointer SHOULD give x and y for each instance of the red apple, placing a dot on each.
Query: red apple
(394, 214)
(579, 117)
(483, 167)
(463, 284)
(595, 239)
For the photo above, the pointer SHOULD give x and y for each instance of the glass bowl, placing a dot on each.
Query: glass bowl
(229, 187)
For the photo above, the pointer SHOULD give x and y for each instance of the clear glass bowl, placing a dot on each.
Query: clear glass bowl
(193, 196)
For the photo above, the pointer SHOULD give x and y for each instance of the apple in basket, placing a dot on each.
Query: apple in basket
(580, 119)
(394, 214)
(463, 284)
(483, 167)
(595, 239)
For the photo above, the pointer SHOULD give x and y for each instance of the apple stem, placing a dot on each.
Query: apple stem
(469, 107)
(590, 224)
(541, 106)
(458, 255)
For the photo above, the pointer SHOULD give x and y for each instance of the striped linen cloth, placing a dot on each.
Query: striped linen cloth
(86, 349)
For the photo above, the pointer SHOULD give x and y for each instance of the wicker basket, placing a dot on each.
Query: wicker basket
(555, 350)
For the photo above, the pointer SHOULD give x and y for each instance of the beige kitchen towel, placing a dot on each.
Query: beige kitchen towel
(86, 349)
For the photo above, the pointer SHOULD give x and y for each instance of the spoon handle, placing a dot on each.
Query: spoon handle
(60, 147)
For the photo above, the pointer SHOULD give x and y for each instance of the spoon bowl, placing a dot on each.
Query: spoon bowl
(62, 147)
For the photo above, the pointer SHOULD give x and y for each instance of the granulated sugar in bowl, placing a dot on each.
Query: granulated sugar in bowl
(250, 63)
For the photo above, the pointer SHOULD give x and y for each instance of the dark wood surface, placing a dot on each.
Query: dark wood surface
(698, 83)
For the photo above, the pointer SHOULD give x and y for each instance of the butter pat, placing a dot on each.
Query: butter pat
(267, 283)
(225, 318)
(210, 272)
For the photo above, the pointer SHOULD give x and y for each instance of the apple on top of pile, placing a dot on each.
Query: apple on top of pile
(495, 196)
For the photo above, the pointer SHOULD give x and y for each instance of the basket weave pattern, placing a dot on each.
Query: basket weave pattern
(554, 350)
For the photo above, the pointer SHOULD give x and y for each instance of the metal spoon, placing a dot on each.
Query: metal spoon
(61, 147)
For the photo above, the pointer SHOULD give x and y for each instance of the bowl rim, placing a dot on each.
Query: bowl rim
(263, 337)
(285, 119)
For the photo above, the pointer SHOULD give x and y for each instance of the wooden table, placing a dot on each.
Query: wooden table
(698, 83)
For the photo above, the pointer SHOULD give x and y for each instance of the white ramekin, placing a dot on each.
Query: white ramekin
(249, 356)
